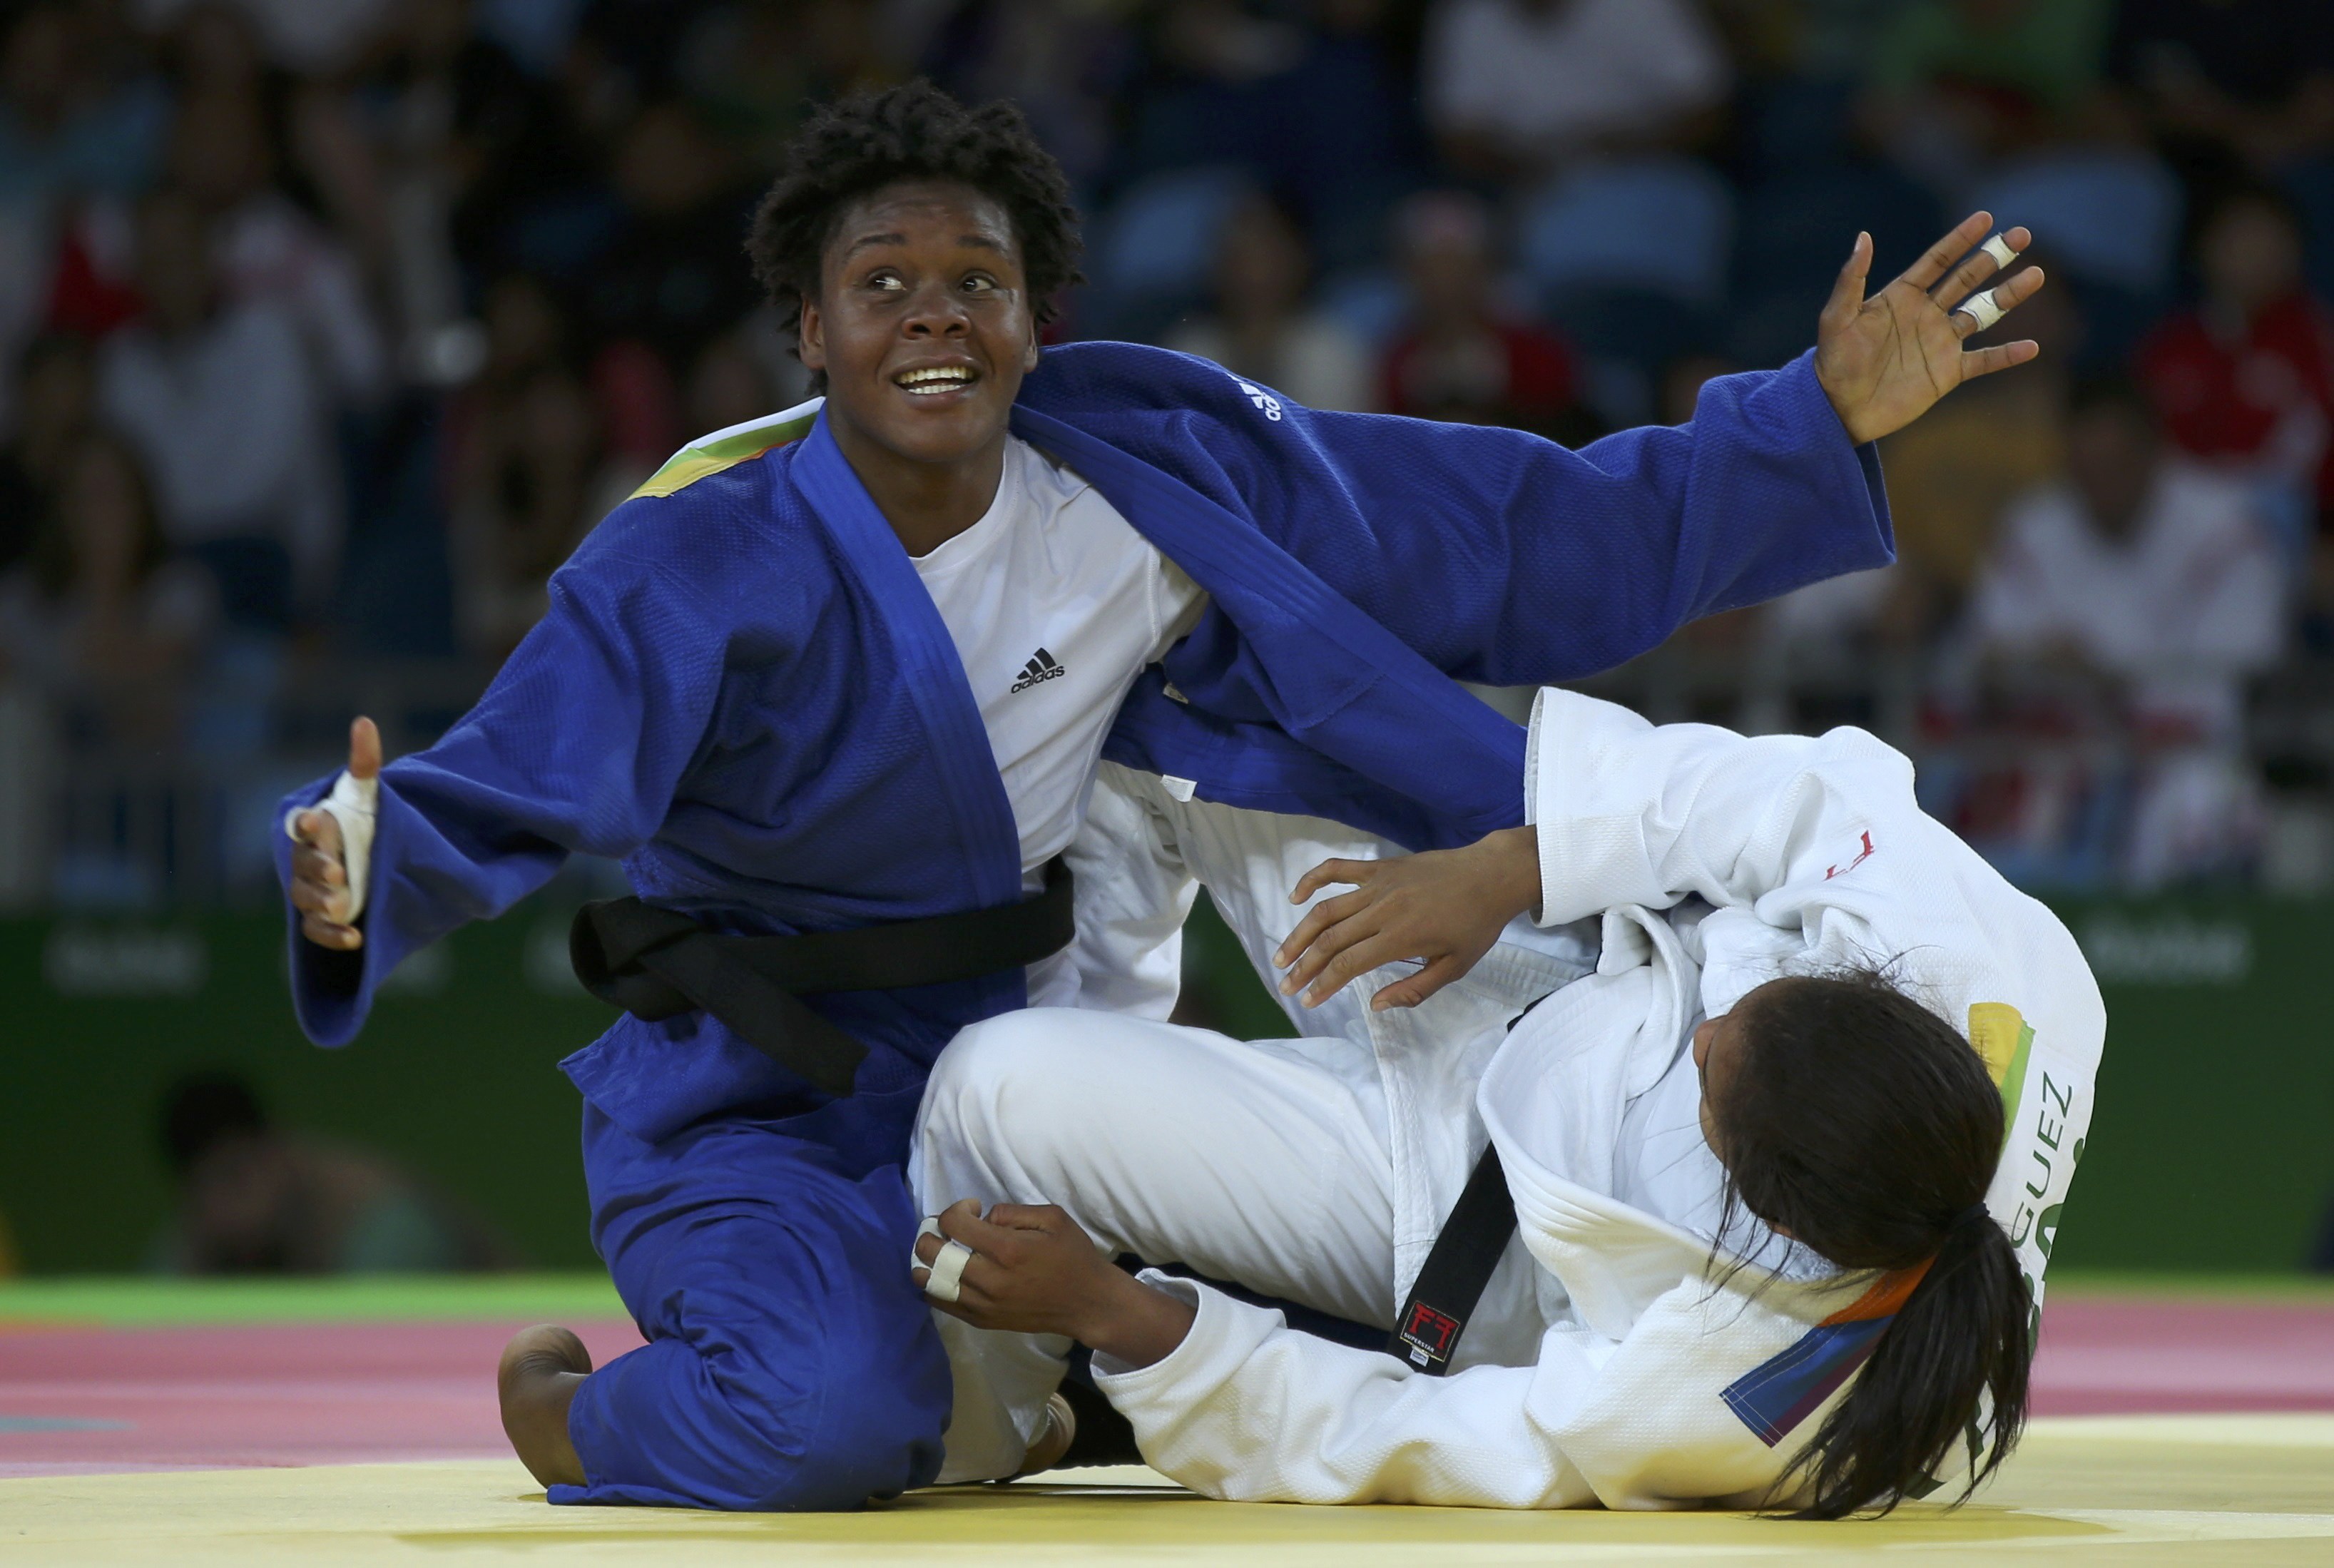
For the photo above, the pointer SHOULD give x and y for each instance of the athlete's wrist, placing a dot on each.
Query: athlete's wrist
(1513, 877)
(1132, 1323)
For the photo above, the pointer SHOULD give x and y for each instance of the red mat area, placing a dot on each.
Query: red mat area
(2107, 1356)
(83, 1401)
(90, 1400)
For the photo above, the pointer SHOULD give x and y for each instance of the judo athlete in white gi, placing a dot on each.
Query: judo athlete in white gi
(1782, 1230)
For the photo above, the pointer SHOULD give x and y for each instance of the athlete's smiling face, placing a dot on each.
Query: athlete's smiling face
(922, 323)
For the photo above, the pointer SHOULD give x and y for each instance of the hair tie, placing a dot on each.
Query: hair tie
(1977, 1213)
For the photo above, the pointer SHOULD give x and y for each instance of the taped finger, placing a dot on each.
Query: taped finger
(947, 1281)
(1998, 247)
(1982, 309)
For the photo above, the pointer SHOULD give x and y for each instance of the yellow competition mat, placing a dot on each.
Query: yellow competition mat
(2236, 1489)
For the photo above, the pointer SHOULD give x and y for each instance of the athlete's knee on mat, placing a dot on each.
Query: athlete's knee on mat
(840, 1463)
(812, 1427)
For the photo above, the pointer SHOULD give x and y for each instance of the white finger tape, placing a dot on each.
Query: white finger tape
(1981, 307)
(1999, 248)
(947, 1281)
(354, 803)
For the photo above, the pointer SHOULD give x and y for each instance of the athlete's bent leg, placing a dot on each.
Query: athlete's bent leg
(791, 1363)
(1261, 1162)
(1265, 1164)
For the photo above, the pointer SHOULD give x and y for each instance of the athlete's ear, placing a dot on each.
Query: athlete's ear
(810, 346)
(1030, 355)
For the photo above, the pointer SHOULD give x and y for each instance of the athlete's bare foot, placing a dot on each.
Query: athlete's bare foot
(542, 1368)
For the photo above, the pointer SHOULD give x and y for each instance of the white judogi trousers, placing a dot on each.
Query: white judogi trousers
(1282, 1177)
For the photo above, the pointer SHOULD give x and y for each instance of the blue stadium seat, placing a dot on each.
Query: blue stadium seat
(1660, 226)
(1371, 303)
(1152, 251)
(2110, 216)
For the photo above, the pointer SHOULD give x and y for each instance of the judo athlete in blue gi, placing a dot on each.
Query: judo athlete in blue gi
(854, 665)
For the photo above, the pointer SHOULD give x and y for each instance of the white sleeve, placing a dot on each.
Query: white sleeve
(1814, 850)
(1247, 1408)
(1631, 813)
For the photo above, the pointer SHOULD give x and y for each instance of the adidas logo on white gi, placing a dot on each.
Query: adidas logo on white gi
(1042, 667)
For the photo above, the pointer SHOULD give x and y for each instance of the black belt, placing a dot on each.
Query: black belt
(657, 963)
(1457, 1269)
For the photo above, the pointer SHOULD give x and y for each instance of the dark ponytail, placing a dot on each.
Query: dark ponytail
(1866, 1126)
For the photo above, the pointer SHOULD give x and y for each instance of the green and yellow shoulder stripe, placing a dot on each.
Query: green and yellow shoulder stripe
(726, 449)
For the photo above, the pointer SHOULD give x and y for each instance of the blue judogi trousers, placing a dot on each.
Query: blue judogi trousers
(791, 1361)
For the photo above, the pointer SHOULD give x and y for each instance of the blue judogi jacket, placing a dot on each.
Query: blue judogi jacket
(743, 690)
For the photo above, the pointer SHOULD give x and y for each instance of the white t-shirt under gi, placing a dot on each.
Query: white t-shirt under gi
(1056, 604)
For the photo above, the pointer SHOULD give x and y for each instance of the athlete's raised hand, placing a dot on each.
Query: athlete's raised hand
(320, 872)
(1443, 908)
(1886, 361)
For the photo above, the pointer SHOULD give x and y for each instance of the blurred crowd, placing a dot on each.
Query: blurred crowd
(330, 326)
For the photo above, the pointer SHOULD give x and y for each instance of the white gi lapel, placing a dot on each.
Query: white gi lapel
(1552, 1101)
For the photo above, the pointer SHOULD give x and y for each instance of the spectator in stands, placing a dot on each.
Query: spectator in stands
(1949, 489)
(312, 37)
(2225, 82)
(1955, 84)
(1515, 88)
(213, 47)
(2151, 580)
(472, 149)
(536, 475)
(1064, 63)
(1314, 100)
(56, 388)
(1263, 327)
(70, 129)
(1464, 354)
(731, 383)
(671, 279)
(255, 1198)
(69, 124)
(2245, 377)
(101, 618)
(218, 397)
(268, 249)
(754, 66)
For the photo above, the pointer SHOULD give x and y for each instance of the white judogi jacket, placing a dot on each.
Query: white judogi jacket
(1612, 1364)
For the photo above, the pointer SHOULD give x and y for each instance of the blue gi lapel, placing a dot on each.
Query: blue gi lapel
(1382, 709)
(964, 768)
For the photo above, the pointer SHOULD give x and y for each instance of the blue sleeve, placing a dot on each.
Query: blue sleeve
(1507, 560)
(577, 747)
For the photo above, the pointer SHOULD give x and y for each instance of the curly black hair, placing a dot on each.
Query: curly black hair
(912, 131)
